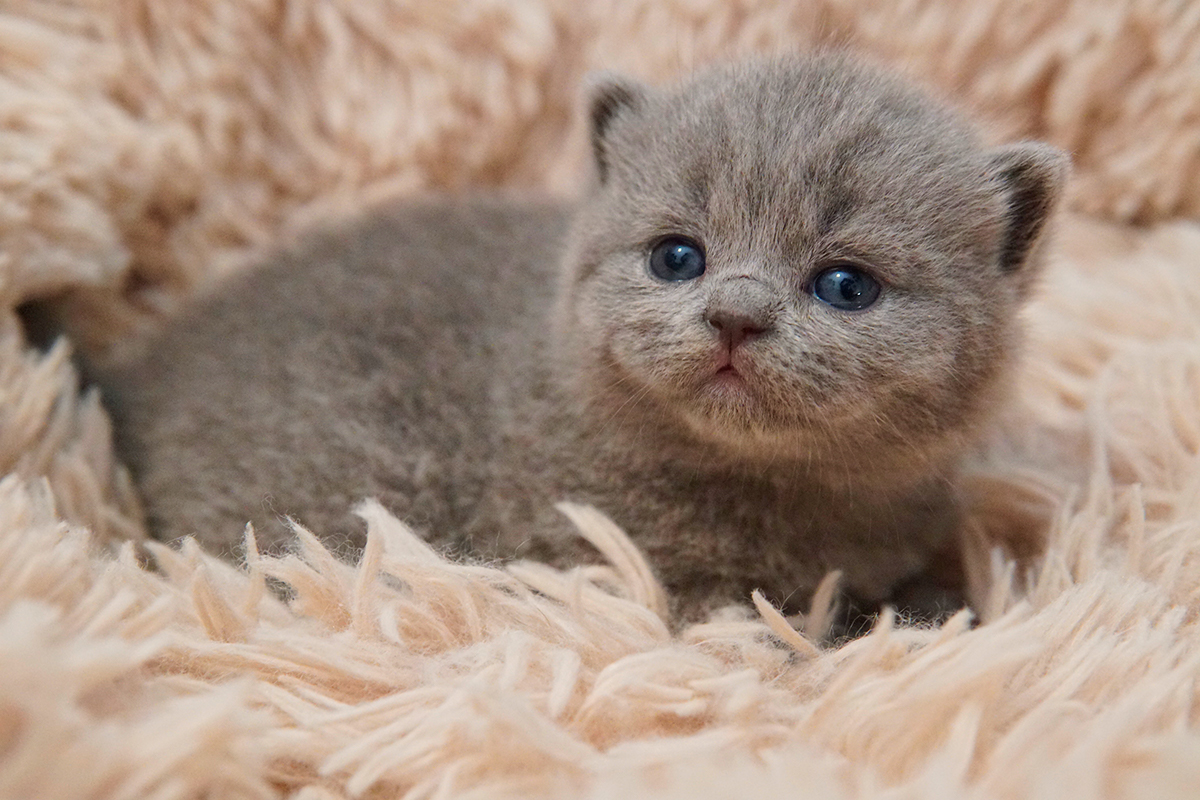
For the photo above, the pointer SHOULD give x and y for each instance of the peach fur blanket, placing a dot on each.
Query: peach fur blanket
(148, 146)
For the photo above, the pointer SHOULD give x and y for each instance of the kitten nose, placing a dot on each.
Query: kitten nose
(735, 326)
(740, 312)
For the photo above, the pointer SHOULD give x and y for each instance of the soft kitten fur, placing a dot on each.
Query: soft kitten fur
(471, 362)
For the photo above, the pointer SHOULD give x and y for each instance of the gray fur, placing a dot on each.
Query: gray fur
(471, 362)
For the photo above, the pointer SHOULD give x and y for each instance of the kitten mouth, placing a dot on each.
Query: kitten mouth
(725, 368)
(726, 373)
(728, 369)
(728, 378)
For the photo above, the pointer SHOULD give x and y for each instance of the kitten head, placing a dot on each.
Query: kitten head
(802, 254)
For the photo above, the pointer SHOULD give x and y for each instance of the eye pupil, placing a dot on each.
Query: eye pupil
(677, 258)
(846, 288)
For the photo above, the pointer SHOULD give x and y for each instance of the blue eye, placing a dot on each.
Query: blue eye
(846, 288)
(677, 258)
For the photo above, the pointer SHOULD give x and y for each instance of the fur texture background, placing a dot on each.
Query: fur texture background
(147, 147)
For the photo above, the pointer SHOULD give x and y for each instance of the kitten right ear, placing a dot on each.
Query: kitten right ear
(608, 97)
(1030, 175)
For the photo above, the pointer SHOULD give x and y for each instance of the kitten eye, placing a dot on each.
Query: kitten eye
(846, 288)
(677, 258)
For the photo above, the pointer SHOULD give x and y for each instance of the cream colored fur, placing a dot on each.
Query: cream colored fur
(146, 147)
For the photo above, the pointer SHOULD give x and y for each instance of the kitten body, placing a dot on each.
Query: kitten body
(472, 362)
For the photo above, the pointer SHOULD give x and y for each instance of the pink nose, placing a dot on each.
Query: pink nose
(736, 326)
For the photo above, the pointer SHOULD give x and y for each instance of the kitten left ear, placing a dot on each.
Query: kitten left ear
(1030, 176)
(608, 97)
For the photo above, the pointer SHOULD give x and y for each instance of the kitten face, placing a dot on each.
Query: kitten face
(779, 174)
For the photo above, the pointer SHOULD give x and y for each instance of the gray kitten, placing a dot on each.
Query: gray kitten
(761, 343)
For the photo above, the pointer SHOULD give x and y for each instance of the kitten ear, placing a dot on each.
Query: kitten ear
(608, 97)
(1030, 176)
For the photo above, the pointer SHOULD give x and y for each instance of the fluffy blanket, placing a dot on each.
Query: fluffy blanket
(148, 146)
